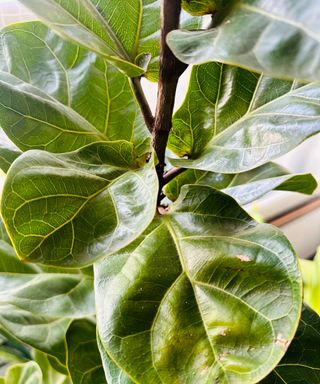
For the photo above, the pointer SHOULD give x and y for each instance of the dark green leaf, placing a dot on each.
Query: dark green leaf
(281, 39)
(126, 33)
(84, 361)
(59, 97)
(234, 120)
(247, 186)
(183, 306)
(70, 209)
(301, 364)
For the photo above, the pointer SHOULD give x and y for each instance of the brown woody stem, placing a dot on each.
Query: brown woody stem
(144, 105)
(170, 175)
(170, 71)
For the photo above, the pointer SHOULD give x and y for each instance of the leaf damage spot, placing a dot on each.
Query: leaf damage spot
(244, 258)
(222, 355)
(282, 342)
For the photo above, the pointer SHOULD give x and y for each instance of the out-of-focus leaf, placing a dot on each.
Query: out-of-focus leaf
(311, 281)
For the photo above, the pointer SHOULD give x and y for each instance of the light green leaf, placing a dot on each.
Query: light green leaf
(28, 373)
(247, 186)
(301, 364)
(184, 306)
(50, 376)
(59, 97)
(70, 209)
(263, 36)
(37, 309)
(126, 33)
(84, 361)
(311, 281)
(234, 120)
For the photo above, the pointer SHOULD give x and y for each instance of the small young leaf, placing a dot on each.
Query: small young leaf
(70, 209)
(263, 36)
(207, 295)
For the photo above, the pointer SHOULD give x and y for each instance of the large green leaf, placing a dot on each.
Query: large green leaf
(84, 361)
(234, 120)
(28, 373)
(59, 97)
(126, 33)
(301, 364)
(37, 309)
(247, 186)
(208, 295)
(70, 209)
(281, 39)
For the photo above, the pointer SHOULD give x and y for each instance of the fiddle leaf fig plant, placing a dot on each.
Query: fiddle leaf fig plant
(127, 255)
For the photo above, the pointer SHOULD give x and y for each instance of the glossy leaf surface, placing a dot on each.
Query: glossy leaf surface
(126, 33)
(247, 186)
(263, 36)
(183, 307)
(59, 97)
(234, 120)
(84, 361)
(301, 364)
(70, 209)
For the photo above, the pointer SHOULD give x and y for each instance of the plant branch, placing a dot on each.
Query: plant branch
(170, 71)
(144, 105)
(170, 175)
